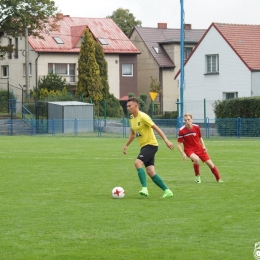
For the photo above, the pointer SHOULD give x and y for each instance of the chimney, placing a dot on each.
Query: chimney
(162, 25)
(60, 16)
(187, 26)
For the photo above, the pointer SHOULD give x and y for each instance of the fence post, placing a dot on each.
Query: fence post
(124, 127)
(207, 127)
(238, 127)
(32, 126)
(178, 125)
(53, 126)
(99, 127)
(75, 126)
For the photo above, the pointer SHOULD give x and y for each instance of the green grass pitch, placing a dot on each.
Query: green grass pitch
(56, 203)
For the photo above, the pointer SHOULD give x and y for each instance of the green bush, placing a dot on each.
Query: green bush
(238, 116)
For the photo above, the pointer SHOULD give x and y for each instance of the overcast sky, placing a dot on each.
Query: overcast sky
(199, 13)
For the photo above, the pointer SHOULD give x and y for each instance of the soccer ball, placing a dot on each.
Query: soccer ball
(118, 193)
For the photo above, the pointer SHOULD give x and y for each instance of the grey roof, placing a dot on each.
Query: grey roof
(155, 37)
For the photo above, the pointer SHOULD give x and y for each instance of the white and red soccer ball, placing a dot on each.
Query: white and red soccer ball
(118, 193)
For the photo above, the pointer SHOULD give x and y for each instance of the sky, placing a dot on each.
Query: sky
(199, 13)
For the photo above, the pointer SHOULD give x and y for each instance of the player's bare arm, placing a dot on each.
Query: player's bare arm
(202, 144)
(184, 156)
(129, 141)
(163, 136)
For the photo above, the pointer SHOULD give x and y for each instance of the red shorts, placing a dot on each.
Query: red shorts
(200, 153)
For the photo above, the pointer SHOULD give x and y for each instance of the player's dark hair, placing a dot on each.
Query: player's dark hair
(133, 99)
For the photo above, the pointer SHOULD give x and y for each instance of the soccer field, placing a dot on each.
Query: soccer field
(55, 201)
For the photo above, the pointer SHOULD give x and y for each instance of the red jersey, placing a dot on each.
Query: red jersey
(190, 137)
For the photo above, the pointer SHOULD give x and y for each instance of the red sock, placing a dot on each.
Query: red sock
(214, 170)
(196, 168)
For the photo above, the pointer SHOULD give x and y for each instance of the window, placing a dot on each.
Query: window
(229, 95)
(29, 68)
(212, 63)
(102, 41)
(65, 70)
(157, 49)
(187, 52)
(127, 70)
(16, 49)
(58, 40)
(9, 55)
(5, 71)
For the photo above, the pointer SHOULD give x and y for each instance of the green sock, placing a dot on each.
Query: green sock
(142, 176)
(159, 182)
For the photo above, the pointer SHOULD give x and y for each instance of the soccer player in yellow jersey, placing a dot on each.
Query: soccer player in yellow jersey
(142, 128)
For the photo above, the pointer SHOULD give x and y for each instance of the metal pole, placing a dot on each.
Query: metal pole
(26, 63)
(182, 61)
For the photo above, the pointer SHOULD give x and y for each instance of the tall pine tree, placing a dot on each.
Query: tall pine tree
(90, 83)
(102, 63)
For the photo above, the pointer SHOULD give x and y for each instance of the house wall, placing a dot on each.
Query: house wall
(147, 68)
(39, 64)
(233, 76)
(16, 77)
(113, 74)
(128, 84)
(170, 90)
(256, 83)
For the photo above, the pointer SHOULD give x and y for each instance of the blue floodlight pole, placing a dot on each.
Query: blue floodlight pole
(182, 62)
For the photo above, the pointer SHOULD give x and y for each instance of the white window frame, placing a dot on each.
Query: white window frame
(212, 63)
(72, 78)
(187, 52)
(127, 70)
(30, 69)
(5, 71)
(230, 95)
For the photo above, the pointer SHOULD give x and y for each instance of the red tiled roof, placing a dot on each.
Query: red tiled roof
(71, 29)
(244, 40)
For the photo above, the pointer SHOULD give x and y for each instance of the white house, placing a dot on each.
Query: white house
(225, 64)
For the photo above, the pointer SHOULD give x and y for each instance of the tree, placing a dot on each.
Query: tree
(49, 84)
(90, 82)
(155, 85)
(125, 20)
(102, 63)
(16, 15)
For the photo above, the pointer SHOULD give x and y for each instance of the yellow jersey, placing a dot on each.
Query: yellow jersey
(142, 127)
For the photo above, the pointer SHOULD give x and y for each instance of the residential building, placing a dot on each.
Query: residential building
(59, 52)
(160, 59)
(225, 64)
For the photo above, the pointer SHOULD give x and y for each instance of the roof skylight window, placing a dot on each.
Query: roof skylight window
(58, 40)
(102, 41)
(157, 49)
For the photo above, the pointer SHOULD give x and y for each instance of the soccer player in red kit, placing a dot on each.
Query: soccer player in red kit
(190, 139)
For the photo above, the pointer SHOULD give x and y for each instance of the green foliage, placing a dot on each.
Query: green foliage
(113, 107)
(102, 63)
(51, 85)
(4, 100)
(167, 115)
(125, 20)
(52, 81)
(131, 95)
(248, 107)
(155, 85)
(38, 16)
(90, 82)
(233, 116)
(143, 97)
